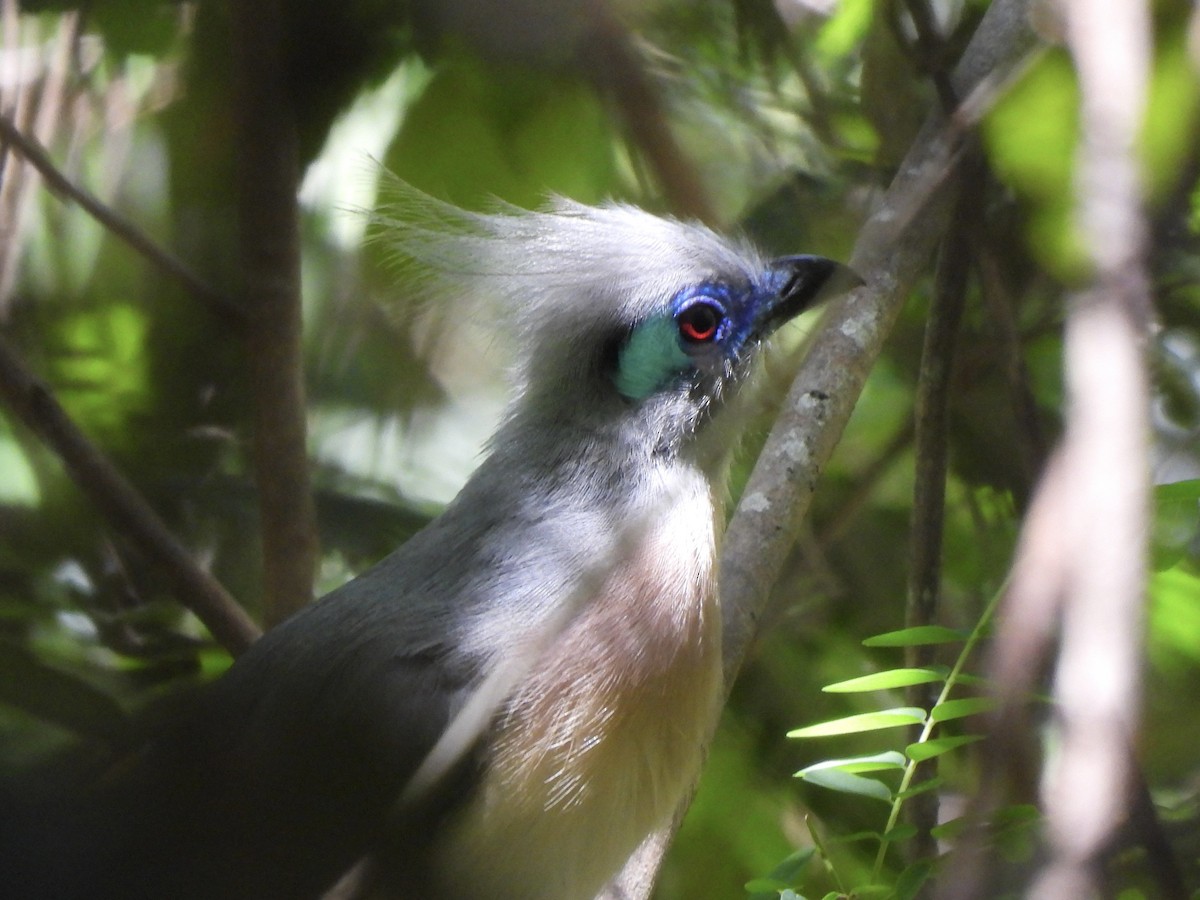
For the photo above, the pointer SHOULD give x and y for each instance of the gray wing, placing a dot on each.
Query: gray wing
(282, 775)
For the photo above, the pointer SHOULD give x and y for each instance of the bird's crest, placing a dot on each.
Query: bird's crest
(565, 266)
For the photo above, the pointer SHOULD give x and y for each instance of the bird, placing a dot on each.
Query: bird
(511, 701)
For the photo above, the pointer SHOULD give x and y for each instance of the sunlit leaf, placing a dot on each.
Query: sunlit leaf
(950, 829)
(880, 762)
(916, 637)
(925, 786)
(888, 718)
(937, 746)
(901, 832)
(1031, 135)
(846, 28)
(893, 678)
(850, 784)
(1174, 629)
(1178, 490)
(958, 709)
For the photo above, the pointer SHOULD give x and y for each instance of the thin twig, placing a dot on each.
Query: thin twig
(932, 455)
(34, 404)
(114, 222)
(931, 47)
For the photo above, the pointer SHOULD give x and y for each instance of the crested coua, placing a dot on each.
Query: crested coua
(509, 703)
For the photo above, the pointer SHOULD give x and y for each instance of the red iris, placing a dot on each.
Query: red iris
(698, 323)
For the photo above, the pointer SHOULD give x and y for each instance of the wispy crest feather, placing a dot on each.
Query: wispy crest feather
(566, 264)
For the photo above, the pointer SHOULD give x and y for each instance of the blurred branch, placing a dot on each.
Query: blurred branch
(114, 222)
(610, 60)
(1080, 571)
(892, 249)
(33, 403)
(1105, 459)
(931, 49)
(268, 180)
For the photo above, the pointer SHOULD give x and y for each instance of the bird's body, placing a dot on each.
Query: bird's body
(511, 701)
(597, 759)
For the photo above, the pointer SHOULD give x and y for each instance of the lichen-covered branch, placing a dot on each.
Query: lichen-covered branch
(893, 248)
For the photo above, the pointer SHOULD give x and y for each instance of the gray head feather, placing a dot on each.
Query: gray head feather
(567, 282)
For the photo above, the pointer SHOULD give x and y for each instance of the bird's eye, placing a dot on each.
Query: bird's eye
(700, 322)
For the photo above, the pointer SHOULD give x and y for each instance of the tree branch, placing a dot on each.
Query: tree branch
(33, 404)
(141, 243)
(1105, 458)
(892, 248)
(932, 454)
(268, 179)
(610, 59)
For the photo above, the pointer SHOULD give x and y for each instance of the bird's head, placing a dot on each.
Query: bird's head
(625, 320)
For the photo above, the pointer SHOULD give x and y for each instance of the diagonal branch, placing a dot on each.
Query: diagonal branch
(892, 250)
(33, 404)
(35, 154)
(894, 246)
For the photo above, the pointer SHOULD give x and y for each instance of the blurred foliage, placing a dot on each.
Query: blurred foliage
(794, 118)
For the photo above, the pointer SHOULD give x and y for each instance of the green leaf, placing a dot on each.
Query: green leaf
(960, 709)
(928, 784)
(863, 891)
(937, 746)
(911, 879)
(765, 886)
(919, 636)
(972, 680)
(1017, 814)
(880, 762)
(846, 783)
(950, 829)
(888, 718)
(845, 29)
(1176, 522)
(892, 678)
(1174, 627)
(1031, 134)
(1177, 490)
(901, 832)
(857, 837)
(784, 875)
(1170, 116)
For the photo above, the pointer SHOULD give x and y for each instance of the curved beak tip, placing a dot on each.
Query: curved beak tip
(803, 281)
